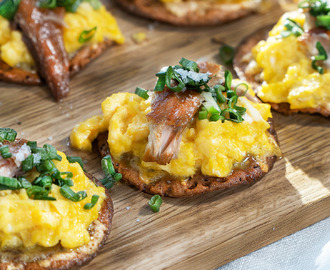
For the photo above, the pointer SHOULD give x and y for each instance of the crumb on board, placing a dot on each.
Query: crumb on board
(139, 37)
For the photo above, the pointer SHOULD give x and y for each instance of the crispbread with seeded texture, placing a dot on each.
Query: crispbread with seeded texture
(242, 59)
(58, 257)
(157, 11)
(254, 169)
(197, 184)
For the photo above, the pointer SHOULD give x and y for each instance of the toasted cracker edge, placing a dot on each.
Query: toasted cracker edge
(245, 48)
(197, 184)
(99, 229)
(77, 63)
(157, 11)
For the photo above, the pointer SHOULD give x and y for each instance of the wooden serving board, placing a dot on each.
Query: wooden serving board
(201, 232)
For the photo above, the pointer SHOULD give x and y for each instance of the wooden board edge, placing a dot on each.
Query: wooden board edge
(267, 233)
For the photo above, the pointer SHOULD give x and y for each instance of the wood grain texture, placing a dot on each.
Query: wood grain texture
(201, 232)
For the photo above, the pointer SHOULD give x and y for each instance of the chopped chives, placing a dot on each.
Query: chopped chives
(320, 57)
(111, 177)
(9, 182)
(202, 115)
(8, 8)
(141, 92)
(7, 134)
(76, 159)
(47, 4)
(155, 203)
(227, 54)
(189, 65)
(27, 163)
(93, 202)
(4, 151)
(87, 35)
(68, 193)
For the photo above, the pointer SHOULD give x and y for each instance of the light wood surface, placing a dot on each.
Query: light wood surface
(201, 232)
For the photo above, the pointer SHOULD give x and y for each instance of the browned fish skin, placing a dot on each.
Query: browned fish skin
(11, 167)
(170, 114)
(45, 41)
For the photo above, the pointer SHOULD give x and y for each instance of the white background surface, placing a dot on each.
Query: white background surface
(307, 249)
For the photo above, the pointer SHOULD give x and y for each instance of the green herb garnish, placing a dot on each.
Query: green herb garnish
(69, 5)
(141, 92)
(187, 76)
(155, 203)
(111, 177)
(293, 28)
(7, 134)
(76, 159)
(87, 35)
(68, 193)
(47, 4)
(8, 8)
(320, 57)
(39, 193)
(9, 183)
(227, 54)
(41, 159)
(319, 9)
(4, 151)
(90, 205)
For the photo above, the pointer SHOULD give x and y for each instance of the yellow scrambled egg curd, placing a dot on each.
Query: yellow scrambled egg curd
(14, 52)
(26, 223)
(213, 1)
(287, 70)
(86, 18)
(212, 147)
(181, 8)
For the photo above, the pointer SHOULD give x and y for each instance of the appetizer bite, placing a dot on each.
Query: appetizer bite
(49, 41)
(289, 65)
(198, 131)
(53, 215)
(193, 12)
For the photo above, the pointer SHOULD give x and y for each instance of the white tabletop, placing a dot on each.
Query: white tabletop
(307, 249)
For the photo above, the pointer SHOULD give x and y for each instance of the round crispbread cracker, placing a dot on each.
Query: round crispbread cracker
(77, 62)
(155, 10)
(195, 185)
(242, 59)
(167, 185)
(59, 258)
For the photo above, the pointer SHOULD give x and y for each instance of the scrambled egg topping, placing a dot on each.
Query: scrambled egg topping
(287, 70)
(211, 1)
(26, 223)
(182, 7)
(212, 147)
(14, 52)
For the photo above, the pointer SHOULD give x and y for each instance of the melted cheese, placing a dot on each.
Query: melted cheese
(212, 147)
(28, 223)
(14, 52)
(287, 70)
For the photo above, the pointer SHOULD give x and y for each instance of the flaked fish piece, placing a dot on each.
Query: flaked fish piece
(42, 32)
(11, 167)
(309, 40)
(170, 114)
